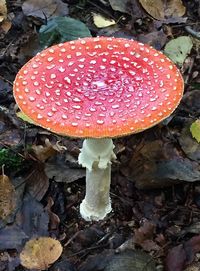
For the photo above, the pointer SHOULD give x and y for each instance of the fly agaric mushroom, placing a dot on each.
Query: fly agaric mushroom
(98, 89)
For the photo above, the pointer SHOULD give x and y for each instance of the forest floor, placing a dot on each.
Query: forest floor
(155, 190)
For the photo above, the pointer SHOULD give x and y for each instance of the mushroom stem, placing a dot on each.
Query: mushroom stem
(96, 155)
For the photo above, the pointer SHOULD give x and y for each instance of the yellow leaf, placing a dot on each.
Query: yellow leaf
(101, 21)
(22, 116)
(3, 10)
(195, 130)
(161, 9)
(40, 253)
(7, 197)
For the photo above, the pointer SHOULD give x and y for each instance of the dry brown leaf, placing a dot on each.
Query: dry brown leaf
(44, 152)
(6, 25)
(37, 182)
(7, 197)
(37, 8)
(40, 253)
(3, 10)
(154, 7)
(161, 9)
(174, 8)
(54, 219)
(145, 232)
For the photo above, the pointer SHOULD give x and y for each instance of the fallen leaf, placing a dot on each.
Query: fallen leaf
(7, 197)
(42, 153)
(33, 218)
(101, 22)
(61, 172)
(150, 245)
(174, 8)
(176, 258)
(61, 29)
(192, 246)
(157, 39)
(131, 7)
(12, 237)
(88, 236)
(179, 169)
(161, 9)
(19, 192)
(54, 220)
(144, 237)
(195, 130)
(182, 255)
(131, 260)
(127, 260)
(145, 232)
(3, 10)
(119, 5)
(172, 20)
(159, 164)
(40, 253)
(28, 50)
(189, 145)
(6, 25)
(178, 49)
(154, 8)
(61, 9)
(191, 101)
(40, 9)
(63, 265)
(37, 182)
(11, 137)
(97, 262)
(5, 88)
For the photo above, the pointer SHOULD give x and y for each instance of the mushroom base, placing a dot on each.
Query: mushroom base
(97, 203)
(96, 155)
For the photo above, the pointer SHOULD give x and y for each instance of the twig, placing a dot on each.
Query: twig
(86, 250)
(71, 239)
(4, 79)
(192, 32)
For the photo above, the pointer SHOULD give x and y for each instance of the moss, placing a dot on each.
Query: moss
(10, 159)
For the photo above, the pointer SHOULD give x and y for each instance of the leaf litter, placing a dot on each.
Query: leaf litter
(195, 130)
(40, 253)
(161, 9)
(178, 49)
(161, 221)
(3, 10)
(7, 197)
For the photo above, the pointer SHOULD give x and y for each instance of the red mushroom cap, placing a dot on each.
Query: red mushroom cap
(98, 87)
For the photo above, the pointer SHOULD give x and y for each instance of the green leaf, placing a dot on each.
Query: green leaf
(195, 130)
(132, 261)
(22, 116)
(61, 29)
(178, 49)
